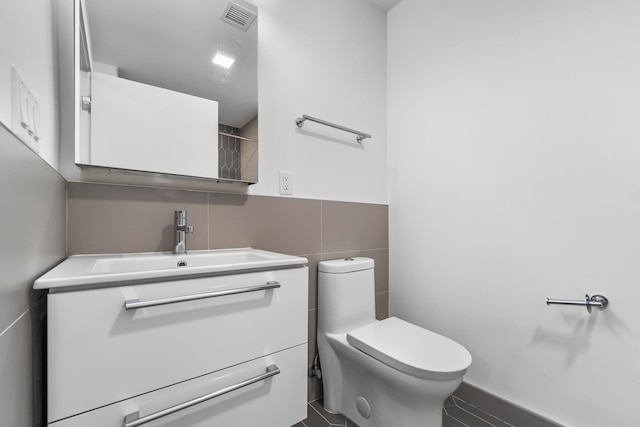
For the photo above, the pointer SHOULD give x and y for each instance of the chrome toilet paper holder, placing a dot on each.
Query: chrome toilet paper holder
(599, 301)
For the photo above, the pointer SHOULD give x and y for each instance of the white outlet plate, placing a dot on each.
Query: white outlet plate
(286, 183)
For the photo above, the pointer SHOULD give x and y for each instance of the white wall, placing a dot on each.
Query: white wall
(33, 200)
(515, 176)
(325, 59)
(26, 41)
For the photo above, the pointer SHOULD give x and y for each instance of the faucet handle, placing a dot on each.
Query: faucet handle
(189, 229)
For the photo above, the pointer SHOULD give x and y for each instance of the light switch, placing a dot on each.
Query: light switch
(25, 111)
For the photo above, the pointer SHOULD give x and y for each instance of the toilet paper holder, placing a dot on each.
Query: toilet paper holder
(599, 301)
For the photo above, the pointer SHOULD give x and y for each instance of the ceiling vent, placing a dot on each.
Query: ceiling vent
(238, 16)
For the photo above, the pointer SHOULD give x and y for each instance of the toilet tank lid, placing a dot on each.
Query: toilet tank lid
(345, 265)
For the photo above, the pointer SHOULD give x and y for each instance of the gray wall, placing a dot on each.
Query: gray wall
(113, 219)
(32, 232)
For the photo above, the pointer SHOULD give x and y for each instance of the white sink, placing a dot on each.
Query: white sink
(79, 270)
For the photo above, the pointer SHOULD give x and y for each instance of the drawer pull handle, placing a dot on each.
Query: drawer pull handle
(134, 420)
(135, 303)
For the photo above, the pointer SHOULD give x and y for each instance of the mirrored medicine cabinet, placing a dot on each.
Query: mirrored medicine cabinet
(166, 89)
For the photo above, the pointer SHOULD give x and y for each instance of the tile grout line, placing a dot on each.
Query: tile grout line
(330, 424)
(489, 423)
(470, 413)
(464, 424)
(321, 222)
(66, 218)
(14, 322)
(318, 412)
(358, 250)
(344, 252)
(454, 398)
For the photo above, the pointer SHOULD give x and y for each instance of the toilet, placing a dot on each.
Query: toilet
(379, 373)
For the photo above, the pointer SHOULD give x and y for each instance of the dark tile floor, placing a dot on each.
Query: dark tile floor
(456, 413)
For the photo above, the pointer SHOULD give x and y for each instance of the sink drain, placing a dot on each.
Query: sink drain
(182, 263)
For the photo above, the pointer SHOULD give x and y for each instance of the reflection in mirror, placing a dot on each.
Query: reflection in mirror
(172, 45)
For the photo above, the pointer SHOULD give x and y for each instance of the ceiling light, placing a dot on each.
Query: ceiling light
(222, 60)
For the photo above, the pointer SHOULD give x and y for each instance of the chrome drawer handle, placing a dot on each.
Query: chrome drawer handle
(134, 420)
(136, 303)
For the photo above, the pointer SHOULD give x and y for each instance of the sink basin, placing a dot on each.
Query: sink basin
(162, 261)
(82, 270)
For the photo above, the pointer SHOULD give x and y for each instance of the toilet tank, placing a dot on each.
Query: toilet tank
(346, 294)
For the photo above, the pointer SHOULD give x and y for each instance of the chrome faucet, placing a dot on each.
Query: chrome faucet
(181, 229)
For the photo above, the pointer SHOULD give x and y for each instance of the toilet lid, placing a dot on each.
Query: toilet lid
(411, 349)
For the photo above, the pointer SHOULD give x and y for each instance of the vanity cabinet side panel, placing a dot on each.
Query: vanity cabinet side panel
(141, 127)
(100, 353)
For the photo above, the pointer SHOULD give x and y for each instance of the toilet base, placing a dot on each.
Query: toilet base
(372, 394)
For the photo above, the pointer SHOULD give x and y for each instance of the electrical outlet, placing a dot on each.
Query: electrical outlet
(286, 183)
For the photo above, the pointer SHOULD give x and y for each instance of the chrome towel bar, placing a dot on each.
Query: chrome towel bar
(595, 301)
(134, 303)
(230, 135)
(360, 135)
(134, 420)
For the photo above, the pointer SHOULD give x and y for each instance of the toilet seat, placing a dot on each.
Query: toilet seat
(411, 349)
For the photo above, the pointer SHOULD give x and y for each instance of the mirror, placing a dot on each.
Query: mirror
(169, 46)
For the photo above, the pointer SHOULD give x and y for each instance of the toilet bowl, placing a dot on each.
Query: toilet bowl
(379, 373)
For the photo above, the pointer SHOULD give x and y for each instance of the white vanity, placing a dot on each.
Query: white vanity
(201, 339)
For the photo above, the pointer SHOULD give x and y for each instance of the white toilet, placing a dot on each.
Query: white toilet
(379, 373)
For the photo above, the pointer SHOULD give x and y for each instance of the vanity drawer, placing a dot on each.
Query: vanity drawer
(278, 401)
(99, 352)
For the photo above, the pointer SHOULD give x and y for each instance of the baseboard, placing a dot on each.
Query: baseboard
(500, 408)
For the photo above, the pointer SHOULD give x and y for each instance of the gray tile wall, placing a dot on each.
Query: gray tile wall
(110, 218)
(32, 232)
